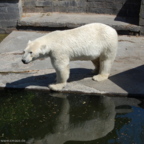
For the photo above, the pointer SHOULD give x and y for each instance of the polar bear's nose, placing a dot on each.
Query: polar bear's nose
(24, 61)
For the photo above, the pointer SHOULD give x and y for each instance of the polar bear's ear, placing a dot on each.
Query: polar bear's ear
(43, 49)
(29, 41)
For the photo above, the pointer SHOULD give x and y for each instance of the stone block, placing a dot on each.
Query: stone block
(3, 4)
(142, 30)
(20, 9)
(28, 2)
(59, 8)
(101, 7)
(71, 3)
(9, 16)
(43, 3)
(8, 23)
(96, 5)
(6, 30)
(31, 9)
(142, 11)
(61, 4)
(95, 0)
(141, 22)
(48, 9)
(77, 9)
(3, 9)
(2, 16)
(99, 10)
(11, 10)
(118, 6)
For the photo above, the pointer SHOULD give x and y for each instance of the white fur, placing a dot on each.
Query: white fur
(96, 42)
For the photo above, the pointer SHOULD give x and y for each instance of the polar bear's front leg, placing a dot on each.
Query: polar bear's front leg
(62, 74)
(57, 87)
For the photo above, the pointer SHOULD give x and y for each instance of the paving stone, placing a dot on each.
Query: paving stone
(72, 20)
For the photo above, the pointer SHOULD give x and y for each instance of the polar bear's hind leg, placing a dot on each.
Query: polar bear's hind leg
(96, 63)
(105, 67)
(100, 77)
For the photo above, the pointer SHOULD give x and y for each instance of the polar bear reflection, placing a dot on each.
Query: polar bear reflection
(101, 123)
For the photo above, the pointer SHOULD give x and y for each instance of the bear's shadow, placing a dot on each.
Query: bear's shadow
(131, 80)
(44, 80)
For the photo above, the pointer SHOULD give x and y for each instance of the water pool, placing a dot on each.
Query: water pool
(41, 117)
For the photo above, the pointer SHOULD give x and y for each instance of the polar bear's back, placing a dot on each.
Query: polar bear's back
(88, 42)
(98, 30)
(85, 42)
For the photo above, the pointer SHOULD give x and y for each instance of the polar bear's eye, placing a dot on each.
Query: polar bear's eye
(30, 52)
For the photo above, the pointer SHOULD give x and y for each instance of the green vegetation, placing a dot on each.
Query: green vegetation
(2, 36)
(26, 114)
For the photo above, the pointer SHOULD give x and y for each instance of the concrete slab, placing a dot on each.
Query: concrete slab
(127, 75)
(72, 20)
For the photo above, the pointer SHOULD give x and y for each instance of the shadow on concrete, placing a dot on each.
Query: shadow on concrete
(41, 80)
(129, 12)
(131, 81)
(44, 80)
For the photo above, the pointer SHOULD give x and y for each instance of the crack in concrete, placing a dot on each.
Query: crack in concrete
(17, 72)
(11, 53)
(126, 41)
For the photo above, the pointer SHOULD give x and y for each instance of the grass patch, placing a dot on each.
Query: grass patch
(2, 36)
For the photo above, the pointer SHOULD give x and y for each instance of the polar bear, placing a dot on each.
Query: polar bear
(96, 42)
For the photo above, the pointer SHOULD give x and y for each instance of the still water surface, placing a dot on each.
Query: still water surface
(39, 117)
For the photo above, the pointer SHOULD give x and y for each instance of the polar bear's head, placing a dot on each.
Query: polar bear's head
(33, 51)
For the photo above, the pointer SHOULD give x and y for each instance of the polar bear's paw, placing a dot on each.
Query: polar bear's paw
(57, 87)
(100, 77)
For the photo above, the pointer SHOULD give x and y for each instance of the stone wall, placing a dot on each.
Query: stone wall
(141, 18)
(10, 11)
(128, 8)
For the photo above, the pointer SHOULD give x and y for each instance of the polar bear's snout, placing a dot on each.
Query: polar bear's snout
(27, 58)
(24, 61)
